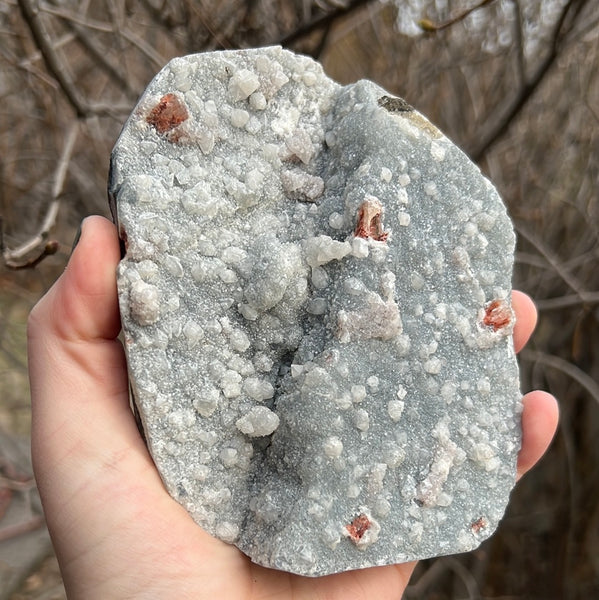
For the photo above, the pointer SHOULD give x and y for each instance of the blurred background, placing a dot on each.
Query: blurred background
(515, 83)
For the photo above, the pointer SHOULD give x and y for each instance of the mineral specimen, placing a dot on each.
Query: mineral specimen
(315, 298)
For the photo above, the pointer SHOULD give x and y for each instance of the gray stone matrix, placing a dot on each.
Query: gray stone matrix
(315, 299)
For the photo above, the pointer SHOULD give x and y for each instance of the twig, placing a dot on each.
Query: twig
(572, 371)
(13, 531)
(553, 260)
(220, 39)
(98, 53)
(527, 90)
(16, 362)
(438, 567)
(322, 21)
(29, 68)
(67, 15)
(63, 40)
(434, 571)
(431, 27)
(56, 68)
(466, 577)
(317, 52)
(157, 14)
(11, 257)
(518, 21)
(82, 108)
(531, 259)
(144, 47)
(589, 299)
(16, 485)
(63, 162)
(8, 469)
(50, 247)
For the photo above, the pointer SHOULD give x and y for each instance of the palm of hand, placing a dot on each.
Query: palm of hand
(140, 543)
(116, 531)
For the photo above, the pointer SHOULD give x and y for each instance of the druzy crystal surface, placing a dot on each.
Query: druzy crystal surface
(315, 298)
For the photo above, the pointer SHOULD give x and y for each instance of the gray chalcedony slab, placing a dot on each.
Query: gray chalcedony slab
(315, 299)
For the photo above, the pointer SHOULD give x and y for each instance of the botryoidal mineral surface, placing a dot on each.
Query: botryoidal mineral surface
(315, 299)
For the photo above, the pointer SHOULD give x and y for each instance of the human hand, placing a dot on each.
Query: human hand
(116, 531)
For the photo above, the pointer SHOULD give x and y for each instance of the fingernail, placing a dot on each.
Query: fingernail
(77, 238)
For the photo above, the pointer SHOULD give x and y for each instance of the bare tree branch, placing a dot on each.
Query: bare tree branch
(555, 263)
(440, 566)
(27, 65)
(57, 69)
(159, 16)
(320, 22)
(16, 485)
(59, 42)
(50, 247)
(431, 27)
(518, 35)
(13, 531)
(16, 361)
(144, 47)
(417, 589)
(563, 26)
(569, 369)
(590, 299)
(98, 53)
(68, 15)
(83, 109)
(12, 257)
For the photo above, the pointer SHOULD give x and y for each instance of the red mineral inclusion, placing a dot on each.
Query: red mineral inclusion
(358, 527)
(167, 114)
(370, 221)
(479, 525)
(497, 315)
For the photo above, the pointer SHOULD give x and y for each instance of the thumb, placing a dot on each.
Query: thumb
(75, 361)
(84, 437)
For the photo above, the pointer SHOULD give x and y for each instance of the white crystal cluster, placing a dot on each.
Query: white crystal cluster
(315, 298)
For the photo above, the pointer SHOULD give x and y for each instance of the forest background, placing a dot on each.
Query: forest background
(515, 83)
